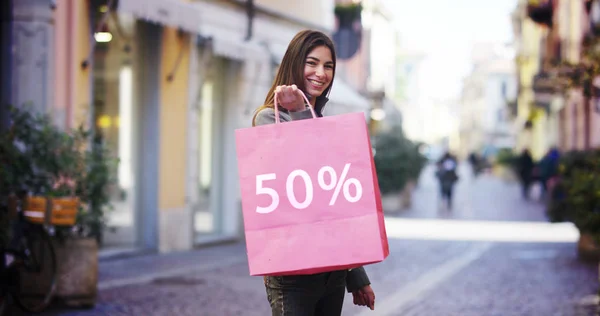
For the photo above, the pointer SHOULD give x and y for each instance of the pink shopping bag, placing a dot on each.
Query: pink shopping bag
(310, 197)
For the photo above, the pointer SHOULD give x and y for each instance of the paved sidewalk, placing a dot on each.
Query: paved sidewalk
(436, 267)
(419, 278)
(482, 198)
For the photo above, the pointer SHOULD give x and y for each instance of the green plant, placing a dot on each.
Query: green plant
(348, 13)
(576, 197)
(93, 188)
(580, 75)
(42, 159)
(397, 161)
(540, 11)
(557, 209)
(583, 193)
(506, 157)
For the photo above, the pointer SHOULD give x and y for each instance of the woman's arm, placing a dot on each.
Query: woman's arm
(357, 279)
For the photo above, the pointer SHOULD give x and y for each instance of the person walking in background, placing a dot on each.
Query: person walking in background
(475, 164)
(447, 175)
(525, 166)
(308, 67)
(548, 168)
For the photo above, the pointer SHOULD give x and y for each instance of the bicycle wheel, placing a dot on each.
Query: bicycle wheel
(37, 273)
(3, 302)
(8, 282)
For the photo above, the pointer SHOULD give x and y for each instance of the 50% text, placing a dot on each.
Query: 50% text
(335, 184)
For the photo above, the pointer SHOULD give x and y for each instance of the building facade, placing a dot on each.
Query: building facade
(561, 112)
(165, 83)
(485, 121)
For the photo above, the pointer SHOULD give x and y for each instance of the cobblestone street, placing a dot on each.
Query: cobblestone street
(478, 261)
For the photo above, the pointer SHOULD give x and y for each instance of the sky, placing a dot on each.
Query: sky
(444, 30)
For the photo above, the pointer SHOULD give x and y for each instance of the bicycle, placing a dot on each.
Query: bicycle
(28, 263)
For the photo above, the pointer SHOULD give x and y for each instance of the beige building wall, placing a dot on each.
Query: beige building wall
(72, 46)
(173, 110)
(528, 65)
(174, 78)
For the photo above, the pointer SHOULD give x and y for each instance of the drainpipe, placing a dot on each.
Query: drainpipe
(6, 57)
(250, 14)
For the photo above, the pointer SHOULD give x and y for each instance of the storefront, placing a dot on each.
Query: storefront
(140, 71)
(222, 89)
(115, 56)
(165, 84)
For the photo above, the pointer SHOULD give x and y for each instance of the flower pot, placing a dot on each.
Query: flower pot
(587, 248)
(77, 276)
(391, 203)
(406, 195)
(76, 273)
(541, 13)
(397, 201)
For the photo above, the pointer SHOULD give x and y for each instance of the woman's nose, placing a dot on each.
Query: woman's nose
(320, 72)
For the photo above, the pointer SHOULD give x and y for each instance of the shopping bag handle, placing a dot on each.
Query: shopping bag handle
(276, 108)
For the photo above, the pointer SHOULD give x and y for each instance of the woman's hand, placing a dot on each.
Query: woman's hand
(364, 297)
(290, 98)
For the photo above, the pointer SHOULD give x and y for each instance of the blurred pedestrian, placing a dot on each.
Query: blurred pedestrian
(548, 168)
(525, 167)
(308, 67)
(447, 174)
(474, 162)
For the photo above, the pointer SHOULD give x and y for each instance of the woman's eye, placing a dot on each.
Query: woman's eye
(312, 63)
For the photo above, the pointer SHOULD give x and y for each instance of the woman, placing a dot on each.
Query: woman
(308, 66)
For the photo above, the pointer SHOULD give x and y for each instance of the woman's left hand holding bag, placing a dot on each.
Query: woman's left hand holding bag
(290, 98)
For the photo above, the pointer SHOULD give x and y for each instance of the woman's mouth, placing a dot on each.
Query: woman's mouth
(317, 84)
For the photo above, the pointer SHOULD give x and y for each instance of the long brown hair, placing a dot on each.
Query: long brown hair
(291, 70)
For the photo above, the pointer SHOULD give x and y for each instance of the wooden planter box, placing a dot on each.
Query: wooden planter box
(56, 211)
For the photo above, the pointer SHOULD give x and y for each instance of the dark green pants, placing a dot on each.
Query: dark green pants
(307, 295)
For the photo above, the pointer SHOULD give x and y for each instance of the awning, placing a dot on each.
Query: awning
(237, 50)
(187, 16)
(174, 13)
(230, 44)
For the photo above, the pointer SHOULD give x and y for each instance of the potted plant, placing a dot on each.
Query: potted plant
(348, 13)
(583, 200)
(398, 164)
(574, 198)
(505, 164)
(541, 11)
(63, 167)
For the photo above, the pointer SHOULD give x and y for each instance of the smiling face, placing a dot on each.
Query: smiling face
(309, 62)
(318, 71)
